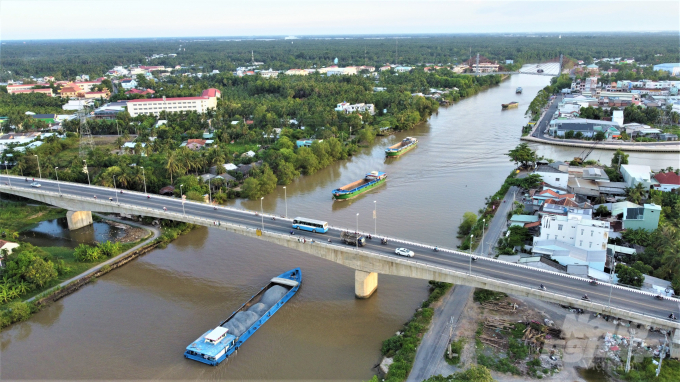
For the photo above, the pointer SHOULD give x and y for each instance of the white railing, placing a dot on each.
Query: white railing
(212, 223)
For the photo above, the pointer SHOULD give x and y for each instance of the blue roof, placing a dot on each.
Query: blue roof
(207, 348)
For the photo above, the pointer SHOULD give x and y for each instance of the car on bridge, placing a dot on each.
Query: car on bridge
(35, 184)
(404, 252)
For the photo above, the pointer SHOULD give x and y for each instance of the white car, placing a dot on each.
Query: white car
(404, 252)
(35, 184)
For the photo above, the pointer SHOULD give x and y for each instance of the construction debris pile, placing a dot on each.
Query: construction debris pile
(614, 348)
(500, 306)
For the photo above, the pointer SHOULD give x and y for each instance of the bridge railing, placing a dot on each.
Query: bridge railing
(480, 279)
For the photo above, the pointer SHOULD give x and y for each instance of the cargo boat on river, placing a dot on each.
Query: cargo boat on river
(372, 180)
(511, 105)
(405, 145)
(216, 345)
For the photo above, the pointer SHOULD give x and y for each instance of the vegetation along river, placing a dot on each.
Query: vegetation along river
(134, 323)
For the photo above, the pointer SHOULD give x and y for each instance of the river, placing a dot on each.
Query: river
(135, 322)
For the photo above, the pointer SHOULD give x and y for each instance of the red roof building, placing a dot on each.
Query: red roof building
(668, 181)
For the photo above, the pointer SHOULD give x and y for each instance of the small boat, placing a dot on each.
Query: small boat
(371, 180)
(518, 90)
(511, 105)
(539, 71)
(405, 145)
(216, 345)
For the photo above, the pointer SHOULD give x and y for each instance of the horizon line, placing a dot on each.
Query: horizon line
(303, 36)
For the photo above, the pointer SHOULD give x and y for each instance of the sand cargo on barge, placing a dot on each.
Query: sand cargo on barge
(216, 345)
(370, 181)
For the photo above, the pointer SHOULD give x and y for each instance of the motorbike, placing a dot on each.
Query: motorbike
(585, 298)
(436, 249)
(672, 316)
(383, 241)
(593, 282)
(474, 258)
(542, 287)
(148, 196)
(658, 297)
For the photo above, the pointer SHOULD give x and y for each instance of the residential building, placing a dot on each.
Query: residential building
(552, 176)
(207, 100)
(485, 67)
(269, 73)
(128, 83)
(522, 220)
(539, 198)
(673, 69)
(11, 89)
(6, 247)
(668, 137)
(402, 69)
(668, 181)
(296, 72)
(359, 107)
(587, 127)
(645, 217)
(573, 240)
(140, 92)
(47, 92)
(383, 68)
(564, 207)
(47, 118)
(634, 174)
(129, 148)
(70, 92)
(77, 104)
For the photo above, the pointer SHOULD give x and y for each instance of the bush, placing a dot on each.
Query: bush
(84, 253)
(483, 295)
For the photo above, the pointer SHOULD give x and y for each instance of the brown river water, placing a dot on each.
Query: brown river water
(135, 322)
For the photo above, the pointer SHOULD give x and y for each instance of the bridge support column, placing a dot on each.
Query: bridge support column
(365, 283)
(78, 219)
(675, 344)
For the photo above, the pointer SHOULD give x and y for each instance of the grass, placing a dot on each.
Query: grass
(646, 371)
(456, 348)
(17, 217)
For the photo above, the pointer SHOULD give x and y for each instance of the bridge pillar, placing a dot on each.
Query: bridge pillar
(365, 283)
(78, 219)
(675, 344)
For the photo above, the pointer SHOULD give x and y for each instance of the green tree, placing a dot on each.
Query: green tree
(600, 136)
(523, 154)
(267, 180)
(251, 188)
(476, 373)
(469, 220)
(41, 272)
(636, 193)
(619, 158)
(629, 275)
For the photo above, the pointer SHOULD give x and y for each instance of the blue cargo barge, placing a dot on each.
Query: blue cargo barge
(215, 345)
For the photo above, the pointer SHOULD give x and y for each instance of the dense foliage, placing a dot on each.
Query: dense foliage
(249, 111)
(67, 58)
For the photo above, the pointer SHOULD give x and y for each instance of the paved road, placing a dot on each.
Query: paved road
(450, 259)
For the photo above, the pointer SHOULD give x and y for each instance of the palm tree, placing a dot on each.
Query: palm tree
(636, 193)
(174, 164)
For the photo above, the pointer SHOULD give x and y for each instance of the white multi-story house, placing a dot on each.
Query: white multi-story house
(573, 240)
(633, 174)
(207, 100)
(360, 107)
(553, 176)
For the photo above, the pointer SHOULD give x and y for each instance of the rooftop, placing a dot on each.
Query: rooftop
(543, 168)
(667, 178)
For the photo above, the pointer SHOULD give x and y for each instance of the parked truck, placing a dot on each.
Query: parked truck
(351, 238)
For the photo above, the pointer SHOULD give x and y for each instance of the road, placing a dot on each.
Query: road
(623, 298)
(429, 359)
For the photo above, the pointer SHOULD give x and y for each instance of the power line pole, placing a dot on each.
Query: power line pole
(477, 69)
(86, 141)
(559, 73)
(662, 353)
(630, 349)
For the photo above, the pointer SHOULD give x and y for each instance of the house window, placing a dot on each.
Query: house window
(581, 231)
(547, 237)
(580, 243)
(557, 179)
(591, 233)
(559, 227)
(590, 244)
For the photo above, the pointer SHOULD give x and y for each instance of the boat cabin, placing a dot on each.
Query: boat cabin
(216, 335)
(215, 345)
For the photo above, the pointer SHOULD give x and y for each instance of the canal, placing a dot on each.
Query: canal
(134, 323)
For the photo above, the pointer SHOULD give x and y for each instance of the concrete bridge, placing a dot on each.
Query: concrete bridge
(447, 265)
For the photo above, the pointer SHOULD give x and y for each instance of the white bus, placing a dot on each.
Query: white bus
(310, 225)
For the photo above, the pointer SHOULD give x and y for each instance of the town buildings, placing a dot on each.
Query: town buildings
(359, 107)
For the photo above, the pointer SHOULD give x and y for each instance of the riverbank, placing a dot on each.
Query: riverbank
(642, 147)
(399, 351)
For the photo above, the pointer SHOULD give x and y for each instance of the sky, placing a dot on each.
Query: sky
(69, 19)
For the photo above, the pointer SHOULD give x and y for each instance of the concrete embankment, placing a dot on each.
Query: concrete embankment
(643, 147)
